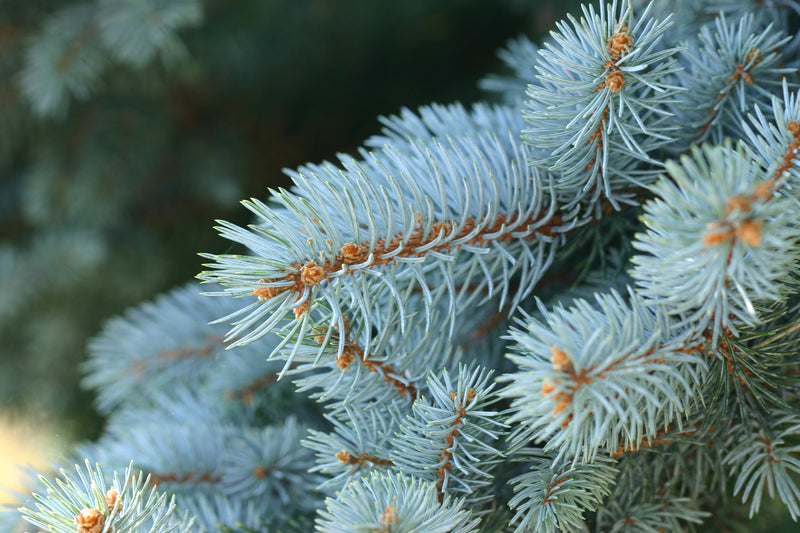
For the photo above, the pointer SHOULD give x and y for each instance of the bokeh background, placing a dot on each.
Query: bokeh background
(116, 157)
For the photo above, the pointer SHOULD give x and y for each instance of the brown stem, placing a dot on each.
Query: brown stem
(447, 454)
(312, 273)
(552, 487)
(353, 352)
(753, 58)
(361, 460)
(176, 354)
(245, 394)
(185, 478)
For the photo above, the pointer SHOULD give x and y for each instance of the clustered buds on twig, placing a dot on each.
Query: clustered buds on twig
(92, 519)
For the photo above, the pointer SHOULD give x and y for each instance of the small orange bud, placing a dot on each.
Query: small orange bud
(343, 456)
(471, 395)
(717, 234)
(90, 521)
(389, 517)
(111, 498)
(749, 232)
(619, 43)
(439, 227)
(562, 405)
(615, 81)
(311, 273)
(300, 309)
(739, 202)
(547, 388)
(351, 253)
(344, 360)
(560, 360)
(754, 53)
(265, 293)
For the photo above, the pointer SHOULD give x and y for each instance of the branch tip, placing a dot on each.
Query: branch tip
(90, 520)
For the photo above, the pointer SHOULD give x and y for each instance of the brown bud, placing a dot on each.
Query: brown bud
(311, 273)
(560, 360)
(756, 54)
(111, 498)
(90, 521)
(344, 457)
(615, 81)
(742, 203)
(351, 253)
(265, 293)
(300, 309)
(344, 360)
(749, 232)
(439, 227)
(717, 234)
(471, 395)
(389, 517)
(563, 404)
(619, 43)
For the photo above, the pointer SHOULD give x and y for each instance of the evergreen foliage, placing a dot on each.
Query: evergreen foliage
(573, 310)
(127, 127)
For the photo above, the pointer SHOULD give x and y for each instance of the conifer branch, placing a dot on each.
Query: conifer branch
(359, 443)
(571, 370)
(395, 503)
(353, 352)
(594, 133)
(448, 436)
(731, 73)
(90, 502)
(447, 455)
(553, 495)
(441, 238)
(417, 232)
(736, 228)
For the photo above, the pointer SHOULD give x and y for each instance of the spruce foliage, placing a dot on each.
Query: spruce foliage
(572, 310)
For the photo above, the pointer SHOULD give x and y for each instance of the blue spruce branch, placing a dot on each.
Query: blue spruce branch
(575, 310)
